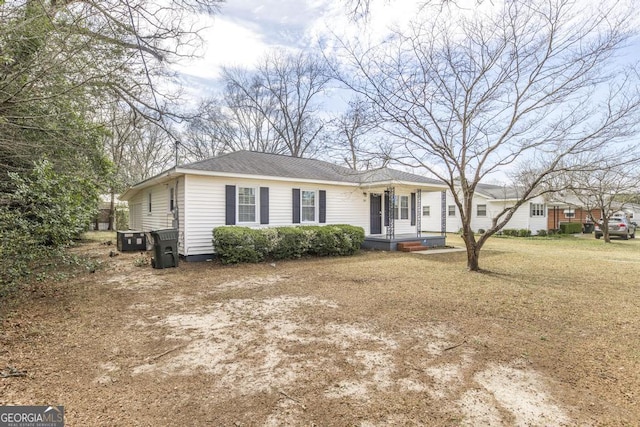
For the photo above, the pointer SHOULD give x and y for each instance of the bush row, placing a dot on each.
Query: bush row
(568, 228)
(522, 232)
(243, 244)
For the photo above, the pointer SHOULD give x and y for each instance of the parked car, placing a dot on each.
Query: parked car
(618, 226)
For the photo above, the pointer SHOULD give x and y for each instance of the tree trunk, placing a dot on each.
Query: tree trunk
(473, 252)
(472, 260)
(605, 229)
(112, 211)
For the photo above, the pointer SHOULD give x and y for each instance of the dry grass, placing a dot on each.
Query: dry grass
(547, 335)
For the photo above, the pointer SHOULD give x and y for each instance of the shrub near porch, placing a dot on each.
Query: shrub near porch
(243, 244)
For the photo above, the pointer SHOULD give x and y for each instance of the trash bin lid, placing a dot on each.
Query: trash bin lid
(164, 235)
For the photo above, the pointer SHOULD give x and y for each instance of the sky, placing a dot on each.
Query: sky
(245, 30)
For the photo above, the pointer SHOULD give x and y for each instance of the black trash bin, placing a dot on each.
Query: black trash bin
(165, 248)
(587, 227)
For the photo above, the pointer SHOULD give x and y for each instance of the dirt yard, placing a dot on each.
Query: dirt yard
(549, 336)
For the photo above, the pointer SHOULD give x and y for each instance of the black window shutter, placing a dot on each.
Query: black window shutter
(230, 205)
(413, 208)
(264, 205)
(296, 206)
(323, 207)
(386, 208)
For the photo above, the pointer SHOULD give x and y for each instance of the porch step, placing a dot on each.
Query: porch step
(411, 247)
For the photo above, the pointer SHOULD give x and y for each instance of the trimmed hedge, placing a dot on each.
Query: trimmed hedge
(522, 232)
(570, 227)
(235, 244)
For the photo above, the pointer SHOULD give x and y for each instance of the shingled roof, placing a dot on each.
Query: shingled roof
(499, 191)
(266, 164)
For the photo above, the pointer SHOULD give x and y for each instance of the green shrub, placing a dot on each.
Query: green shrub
(542, 233)
(339, 239)
(570, 227)
(481, 231)
(292, 242)
(510, 232)
(242, 244)
(44, 212)
(524, 232)
(353, 235)
(238, 244)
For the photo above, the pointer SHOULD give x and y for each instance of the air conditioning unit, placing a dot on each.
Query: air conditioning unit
(132, 241)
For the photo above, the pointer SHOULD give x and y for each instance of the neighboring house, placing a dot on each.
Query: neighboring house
(563, 209)
(103, 217)
(569, 209)
(266, 190)
(631, 210)
(488, 201)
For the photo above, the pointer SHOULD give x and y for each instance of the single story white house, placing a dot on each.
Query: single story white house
(267, 190)
(488, 201)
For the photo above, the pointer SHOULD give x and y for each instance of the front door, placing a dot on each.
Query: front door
(375, 214)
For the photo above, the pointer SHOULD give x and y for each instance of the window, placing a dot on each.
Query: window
(246, 204)
(308, 213)
(401, 207)
(569, 213)
(451, 210)
(404, 207)
(537, 209)
(481, 210)
(426, 211)
(149, 202)
(172, 199)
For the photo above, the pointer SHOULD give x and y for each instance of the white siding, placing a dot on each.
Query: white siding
(205, 201)
(403, 226)
(181, 215)
(536, 223)
(160, 216)
(135, 214)
(432, 222)
(520, 219)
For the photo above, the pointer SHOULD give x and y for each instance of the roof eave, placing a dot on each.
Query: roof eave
(393, 183)
(157, 179)
(264, 177)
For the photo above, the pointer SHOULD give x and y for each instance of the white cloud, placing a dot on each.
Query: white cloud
(228, 43)
(245, 31)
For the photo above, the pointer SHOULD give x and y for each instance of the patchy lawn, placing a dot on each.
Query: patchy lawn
(548, 336)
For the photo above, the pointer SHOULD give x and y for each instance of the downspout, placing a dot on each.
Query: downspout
(176, 210)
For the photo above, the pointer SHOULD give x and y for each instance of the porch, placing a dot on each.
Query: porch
(382, 242)
(396, 219)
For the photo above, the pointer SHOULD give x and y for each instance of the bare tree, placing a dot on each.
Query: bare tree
(206, 132)
(120, 130)
(151, 154)
(355, 132)
(362, 9)
(467, 93)
(284, 91)
(608, 189)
